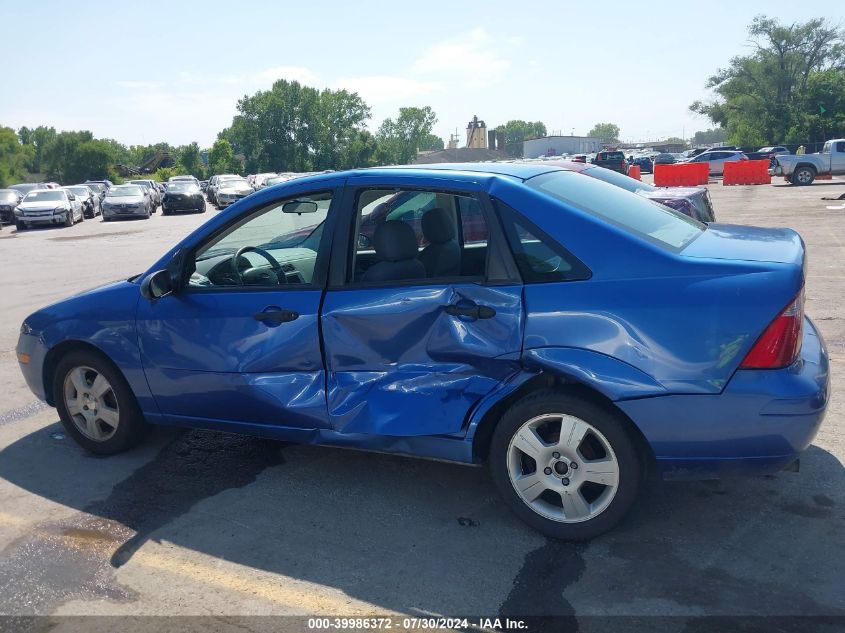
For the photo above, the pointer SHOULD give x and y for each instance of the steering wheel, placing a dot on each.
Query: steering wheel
(260, 276)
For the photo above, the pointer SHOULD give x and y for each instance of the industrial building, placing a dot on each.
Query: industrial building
(559, 145)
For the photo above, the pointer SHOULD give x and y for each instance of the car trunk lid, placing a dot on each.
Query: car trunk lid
(748, 243)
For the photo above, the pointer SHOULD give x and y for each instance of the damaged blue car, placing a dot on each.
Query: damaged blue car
(571, 335)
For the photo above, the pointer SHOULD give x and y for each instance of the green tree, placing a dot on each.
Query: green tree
(605, 131)
(14, 157)
(61, 155)
(761, 98)
(358, 151)
(709, 137)
(398, 140)
(517, 131)
(38, 138)
(297, 128)
(431, 142)
(190, 161)
(221, 158)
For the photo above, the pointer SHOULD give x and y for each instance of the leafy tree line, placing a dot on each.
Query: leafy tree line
(790, 89)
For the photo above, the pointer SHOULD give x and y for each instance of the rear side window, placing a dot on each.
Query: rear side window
(538, 257)
(637, 215)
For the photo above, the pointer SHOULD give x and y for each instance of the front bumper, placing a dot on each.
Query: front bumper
(131, 212)
(183, 204)
(43, 218)
(225, 200)
(761, 422)
(32, 349)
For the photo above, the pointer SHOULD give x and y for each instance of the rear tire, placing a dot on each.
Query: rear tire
(550, 494)
(96, 405)
(803, 176)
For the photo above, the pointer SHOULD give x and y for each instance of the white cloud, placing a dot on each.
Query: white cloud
(269, 75)
(378, 89)
(475, 57)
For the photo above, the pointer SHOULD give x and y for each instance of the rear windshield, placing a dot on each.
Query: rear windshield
(618, 179)
(8, 195)
(45, 196)
(119, 192)
(610, 156)
(654, 222)
(182, 187)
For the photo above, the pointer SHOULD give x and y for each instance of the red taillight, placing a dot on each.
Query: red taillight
(780, 343)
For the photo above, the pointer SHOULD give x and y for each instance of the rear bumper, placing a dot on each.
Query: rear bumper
(761, 422)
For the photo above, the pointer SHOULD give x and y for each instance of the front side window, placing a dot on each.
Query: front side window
(635, 214)
(826, 148)
(275, 247)
(405, 235)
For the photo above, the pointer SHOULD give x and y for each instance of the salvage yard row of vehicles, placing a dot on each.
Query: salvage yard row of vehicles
(26, 205)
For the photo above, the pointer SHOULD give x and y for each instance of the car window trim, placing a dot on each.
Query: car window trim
(321, 264)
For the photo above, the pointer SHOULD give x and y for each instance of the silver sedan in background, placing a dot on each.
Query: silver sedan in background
(126, 201)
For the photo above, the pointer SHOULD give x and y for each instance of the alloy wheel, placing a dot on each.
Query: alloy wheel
(91, 403)
(563, 468)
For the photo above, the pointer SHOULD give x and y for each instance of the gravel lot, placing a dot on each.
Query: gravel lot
(212, 524)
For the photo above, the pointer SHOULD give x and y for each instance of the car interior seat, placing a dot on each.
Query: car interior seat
(396, 249)
(442, 257)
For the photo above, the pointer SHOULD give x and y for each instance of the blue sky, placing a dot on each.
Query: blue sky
(174, 71)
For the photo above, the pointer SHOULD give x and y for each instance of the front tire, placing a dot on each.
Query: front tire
(96, 405)
(567, 467)
(803, 176)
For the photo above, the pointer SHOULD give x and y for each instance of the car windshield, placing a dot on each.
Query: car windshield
(141, 183)
(78, 191)
(234, 182)
(182, 179)
(7, 194)
(618, 179)
(119, 192)
(45, 196)
(182, 187)
(25, 188)
(635, 214)
(96, 186)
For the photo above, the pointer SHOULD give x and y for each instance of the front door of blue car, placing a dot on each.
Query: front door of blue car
(240, 343)
(423, 315)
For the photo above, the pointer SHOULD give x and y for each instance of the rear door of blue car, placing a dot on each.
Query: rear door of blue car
(412, 350)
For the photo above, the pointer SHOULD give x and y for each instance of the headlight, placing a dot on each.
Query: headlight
(59, 210)
(25, 329)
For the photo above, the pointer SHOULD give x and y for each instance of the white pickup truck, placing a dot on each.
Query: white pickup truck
(802, 169)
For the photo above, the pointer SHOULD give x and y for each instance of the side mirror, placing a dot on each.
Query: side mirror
(299, 207)
(71, 197)
(156, 285)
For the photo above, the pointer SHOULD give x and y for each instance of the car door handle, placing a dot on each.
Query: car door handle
(471, 310)
(277, 316)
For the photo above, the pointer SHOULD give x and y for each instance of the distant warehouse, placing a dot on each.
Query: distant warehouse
(558, 145)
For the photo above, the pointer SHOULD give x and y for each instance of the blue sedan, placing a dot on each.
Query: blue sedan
(570, 334)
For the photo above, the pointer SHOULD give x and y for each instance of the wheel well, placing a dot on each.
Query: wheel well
(484, 432)
(810, 165)
(56, 353)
